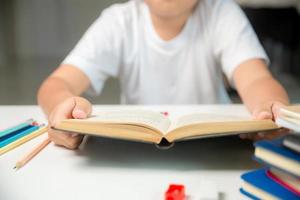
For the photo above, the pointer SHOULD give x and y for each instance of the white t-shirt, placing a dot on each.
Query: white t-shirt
(188, 69)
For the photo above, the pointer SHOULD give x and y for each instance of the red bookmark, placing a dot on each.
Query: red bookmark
(175, 192)
(165, 113)
(35, 123)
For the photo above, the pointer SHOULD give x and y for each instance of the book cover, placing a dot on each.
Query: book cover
(257, 185)
(288, 181)
(276, 146)
(273, 153)
(292, 142)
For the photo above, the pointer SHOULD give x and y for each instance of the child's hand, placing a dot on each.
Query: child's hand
(270, 110)
(74, 107)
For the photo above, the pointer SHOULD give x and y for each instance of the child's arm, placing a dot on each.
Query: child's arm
(260, 92)
(58, 97)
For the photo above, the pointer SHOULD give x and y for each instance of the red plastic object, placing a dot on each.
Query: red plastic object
(165, 114)
(34, 123)
(175, 192)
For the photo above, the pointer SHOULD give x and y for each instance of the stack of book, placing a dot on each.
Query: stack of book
(19, 134)
(290, 118)
(280, 179)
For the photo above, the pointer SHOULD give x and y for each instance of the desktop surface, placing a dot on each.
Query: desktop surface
(104, 168)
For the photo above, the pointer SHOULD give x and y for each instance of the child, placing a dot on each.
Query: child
(164, 52)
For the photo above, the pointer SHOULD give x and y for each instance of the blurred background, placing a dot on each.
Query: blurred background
(36, 35)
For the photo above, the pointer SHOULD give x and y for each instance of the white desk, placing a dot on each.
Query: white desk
(113, 169)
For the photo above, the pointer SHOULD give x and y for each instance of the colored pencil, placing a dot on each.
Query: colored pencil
(16, 127)
(32, 154)
(18, 136)
(23, 140)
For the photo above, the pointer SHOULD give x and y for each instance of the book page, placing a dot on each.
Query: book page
(289, 123)
(197, 118)
(152, 119)
(291, 111)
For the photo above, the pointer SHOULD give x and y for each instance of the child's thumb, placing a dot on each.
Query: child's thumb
(276, 107)
(82, 109)
(262, 113)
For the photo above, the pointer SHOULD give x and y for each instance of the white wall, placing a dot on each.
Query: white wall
(50, 28)
(2, 47)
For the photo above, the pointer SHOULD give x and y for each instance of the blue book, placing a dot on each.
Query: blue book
(257, 185)
(19, 135)
(273, 153)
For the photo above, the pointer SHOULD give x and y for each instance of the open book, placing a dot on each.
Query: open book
(155, 127)
(290, 118)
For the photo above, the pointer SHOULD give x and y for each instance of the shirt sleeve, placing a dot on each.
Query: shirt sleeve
(98, 52)
(235, 39)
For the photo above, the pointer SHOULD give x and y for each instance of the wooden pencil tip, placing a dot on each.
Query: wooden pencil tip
(17, 167)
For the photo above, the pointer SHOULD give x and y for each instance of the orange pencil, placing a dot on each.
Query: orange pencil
(32, 154)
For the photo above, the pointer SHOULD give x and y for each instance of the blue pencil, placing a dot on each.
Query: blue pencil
(18, 136)
(15, 128)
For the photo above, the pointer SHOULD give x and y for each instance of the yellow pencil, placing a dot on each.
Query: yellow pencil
(32, 154)
(21, 141)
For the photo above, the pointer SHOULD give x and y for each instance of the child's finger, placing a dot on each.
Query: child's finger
(264, 115)
(261, 113)
(65, 139)
(63, 111)
(276, 109)
(82, 109)
(272, 135)
(55, 138)
(249, 136)
(70, 144)
(75, 107)
(242, 136)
